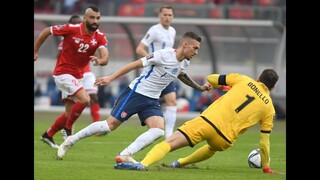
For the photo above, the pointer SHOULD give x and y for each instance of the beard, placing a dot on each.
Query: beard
(92, 27)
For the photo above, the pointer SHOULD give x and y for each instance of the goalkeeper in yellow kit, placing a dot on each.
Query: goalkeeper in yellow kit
(247, 103)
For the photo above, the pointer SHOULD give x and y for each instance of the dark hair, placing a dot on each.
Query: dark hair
(269, 77)
(75, 16)
(94, 8)
(165, 7)
(192, 35)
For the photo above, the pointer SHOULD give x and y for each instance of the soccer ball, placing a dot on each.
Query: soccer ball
(254, 159)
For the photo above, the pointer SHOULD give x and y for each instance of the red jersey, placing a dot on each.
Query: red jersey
(85, 69)
(77, 48)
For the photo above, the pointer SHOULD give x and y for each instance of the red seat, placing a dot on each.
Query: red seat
(139, 10)
(131, 9)
(191, 1)
(216, 13)
(138, 1)
(265, 2)
(185, 1)
(198, 1)
(240, 13)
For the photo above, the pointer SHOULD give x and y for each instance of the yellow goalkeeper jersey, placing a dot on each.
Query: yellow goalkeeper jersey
(247, 103)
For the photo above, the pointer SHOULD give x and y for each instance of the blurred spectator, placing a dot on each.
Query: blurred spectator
(218, 2)
(241, 2)
(118, 4)
(38, 91)
(53, 92)
(106, 98)
(265, 2)
(124, 83)
(44, 6)
(131, 9)
(41, 4)
(280, 112)
(94, 2)
(71, 6)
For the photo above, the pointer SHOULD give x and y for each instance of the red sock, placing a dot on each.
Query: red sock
(95, 112)
(57, 125)
(75, 112)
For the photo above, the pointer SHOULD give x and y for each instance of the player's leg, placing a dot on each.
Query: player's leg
(94, 107)
(170, 112)
(68, 105)
(158, 152)
(58, 124)
(63, 82)
(155, 131)
(198, 130)
(77, 108)
(72, 89)
(201, 154)
(47, 136)
(104, 127)
(114, 120)
(88, 85)
(150, 114)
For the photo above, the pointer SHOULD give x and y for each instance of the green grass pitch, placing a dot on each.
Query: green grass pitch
(94, 157)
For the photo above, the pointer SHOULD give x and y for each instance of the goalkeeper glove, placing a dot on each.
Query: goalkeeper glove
(269, 171)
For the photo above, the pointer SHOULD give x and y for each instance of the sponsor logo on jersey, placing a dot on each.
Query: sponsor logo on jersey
(175, 71)
(93, 42)
(77, 40)
(123, 114)
(58, 27)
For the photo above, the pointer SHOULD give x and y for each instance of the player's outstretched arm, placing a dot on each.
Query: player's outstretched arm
(104, 81)
(188, 81)
(45, 33)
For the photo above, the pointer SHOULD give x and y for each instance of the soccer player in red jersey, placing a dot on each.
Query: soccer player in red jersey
(87, 82)
(80, 42)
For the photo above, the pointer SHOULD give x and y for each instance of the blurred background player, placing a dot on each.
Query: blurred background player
(247, 103)
(80, 42)
(87, 82)
(160, 36)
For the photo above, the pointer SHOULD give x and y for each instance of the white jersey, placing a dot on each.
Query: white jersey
(160, 69)
(157, 37)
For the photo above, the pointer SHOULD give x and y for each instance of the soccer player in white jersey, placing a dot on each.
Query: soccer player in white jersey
(142, 95)
(160, 36)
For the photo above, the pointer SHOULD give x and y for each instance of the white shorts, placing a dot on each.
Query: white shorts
(68, 85)
(88, 81)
